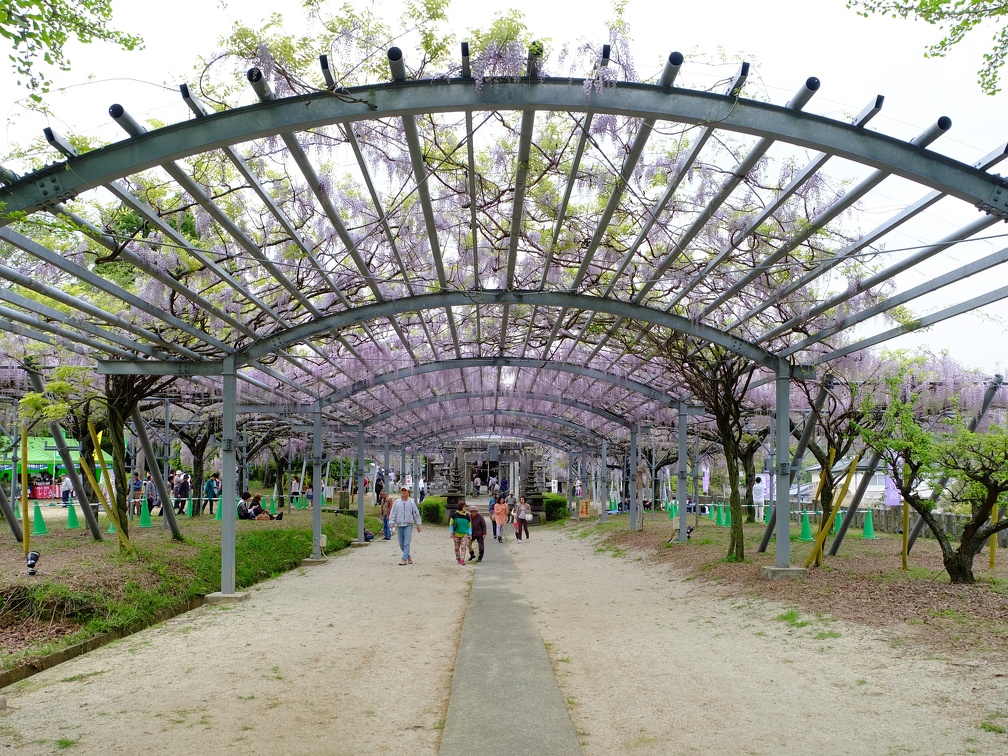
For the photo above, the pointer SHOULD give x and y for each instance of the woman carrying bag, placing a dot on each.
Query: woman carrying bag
(524, 514)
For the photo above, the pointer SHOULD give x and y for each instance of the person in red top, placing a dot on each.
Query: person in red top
(479, 531)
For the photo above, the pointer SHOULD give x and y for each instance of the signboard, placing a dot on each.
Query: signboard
(892, 494)
(584, 507)
(706, 480)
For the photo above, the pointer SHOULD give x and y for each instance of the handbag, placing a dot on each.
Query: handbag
(528, 517)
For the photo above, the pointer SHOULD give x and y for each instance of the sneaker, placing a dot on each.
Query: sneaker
(461, 561)
(280, 516)
(402, 562)
(409, 561)
(471, 557)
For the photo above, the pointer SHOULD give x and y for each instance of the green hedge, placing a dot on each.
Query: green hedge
(432, 510)
(556, 507)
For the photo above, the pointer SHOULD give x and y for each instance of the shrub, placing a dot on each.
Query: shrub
(555, 506)
(432, 510)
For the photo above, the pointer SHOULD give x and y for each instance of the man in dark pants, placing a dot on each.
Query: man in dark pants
(478, 532)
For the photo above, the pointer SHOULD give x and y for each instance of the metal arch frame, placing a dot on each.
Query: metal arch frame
(586, 433)
(463, 395)
(498, 362)
(539, 435)
(229, 127)
(439, 300)
(214, 368)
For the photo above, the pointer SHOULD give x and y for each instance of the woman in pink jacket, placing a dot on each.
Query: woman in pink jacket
(499, 518)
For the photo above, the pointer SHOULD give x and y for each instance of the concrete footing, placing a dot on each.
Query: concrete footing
(312, 562)
(226, 598)
(782, 573)
(360, 543)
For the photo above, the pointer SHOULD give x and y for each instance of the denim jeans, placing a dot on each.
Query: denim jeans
(386, 530)
(405, 534)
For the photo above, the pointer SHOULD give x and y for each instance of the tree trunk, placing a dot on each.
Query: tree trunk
(117, 437)
(959, 565)
(749, 467)
(736, 542)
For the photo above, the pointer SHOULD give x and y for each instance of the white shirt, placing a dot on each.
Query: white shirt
(759, 493)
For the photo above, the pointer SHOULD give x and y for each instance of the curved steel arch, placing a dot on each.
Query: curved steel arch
(447, 299)
(462, 395)
(403, 437)
(518, 362)
(63, 181)
(539, 435)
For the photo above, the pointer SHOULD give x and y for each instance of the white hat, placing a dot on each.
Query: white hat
(404, 487)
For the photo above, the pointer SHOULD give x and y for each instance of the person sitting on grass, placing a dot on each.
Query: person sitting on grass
(250, 508)
(257, 511)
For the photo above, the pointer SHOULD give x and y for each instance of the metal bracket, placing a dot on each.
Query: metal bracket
(997, 205)
(50, 189)
(228, 444)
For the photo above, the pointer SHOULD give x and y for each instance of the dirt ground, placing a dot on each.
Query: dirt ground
(656, 650)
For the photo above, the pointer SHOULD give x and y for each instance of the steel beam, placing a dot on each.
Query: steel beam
(446, 299)
(57, 183)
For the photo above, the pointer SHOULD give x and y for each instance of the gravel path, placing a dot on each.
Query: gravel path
(356, 656)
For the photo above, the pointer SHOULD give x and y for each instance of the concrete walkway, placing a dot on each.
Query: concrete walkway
(504, 697)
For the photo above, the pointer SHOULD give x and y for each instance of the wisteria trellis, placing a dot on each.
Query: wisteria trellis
(238, 226)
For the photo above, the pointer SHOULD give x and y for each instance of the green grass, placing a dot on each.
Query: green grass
(791, 617)
(991, 727)
(824, 634)
(125, 592)
(63, 743)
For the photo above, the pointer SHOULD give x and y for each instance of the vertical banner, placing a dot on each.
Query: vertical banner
(892, 494)
(706, 480)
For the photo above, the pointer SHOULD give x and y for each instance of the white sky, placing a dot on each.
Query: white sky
(785, 40)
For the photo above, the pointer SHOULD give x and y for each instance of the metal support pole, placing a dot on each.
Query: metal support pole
(848, 517)
(402, 469)
(681, 471)
(360, 484)
(604, 488)
(631, 477)
(228, 493)
(56, 431)
(696, 476)
(317, 481)
(159, 481)
(995, 384)
(799, 453)
(570, 480)
(167, 462)
(782, 502)
(386, 462)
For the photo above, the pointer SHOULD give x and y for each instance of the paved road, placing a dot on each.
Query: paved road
(504, 697)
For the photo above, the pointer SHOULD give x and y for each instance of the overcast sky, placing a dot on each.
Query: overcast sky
(785, 40)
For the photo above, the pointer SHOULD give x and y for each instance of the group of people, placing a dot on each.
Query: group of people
(250, 508)
(467, 526)
(494, 487)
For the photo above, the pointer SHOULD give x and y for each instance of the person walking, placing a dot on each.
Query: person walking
(404, 516)
(181, 491)
(153, 497)
(460, 527)
(479, 531)
(386, 511)
(211, 490)
(136, 493)
(522, 518)
(65, 488)
(500, 517)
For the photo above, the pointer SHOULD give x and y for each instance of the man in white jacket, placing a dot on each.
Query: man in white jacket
(404, 516)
